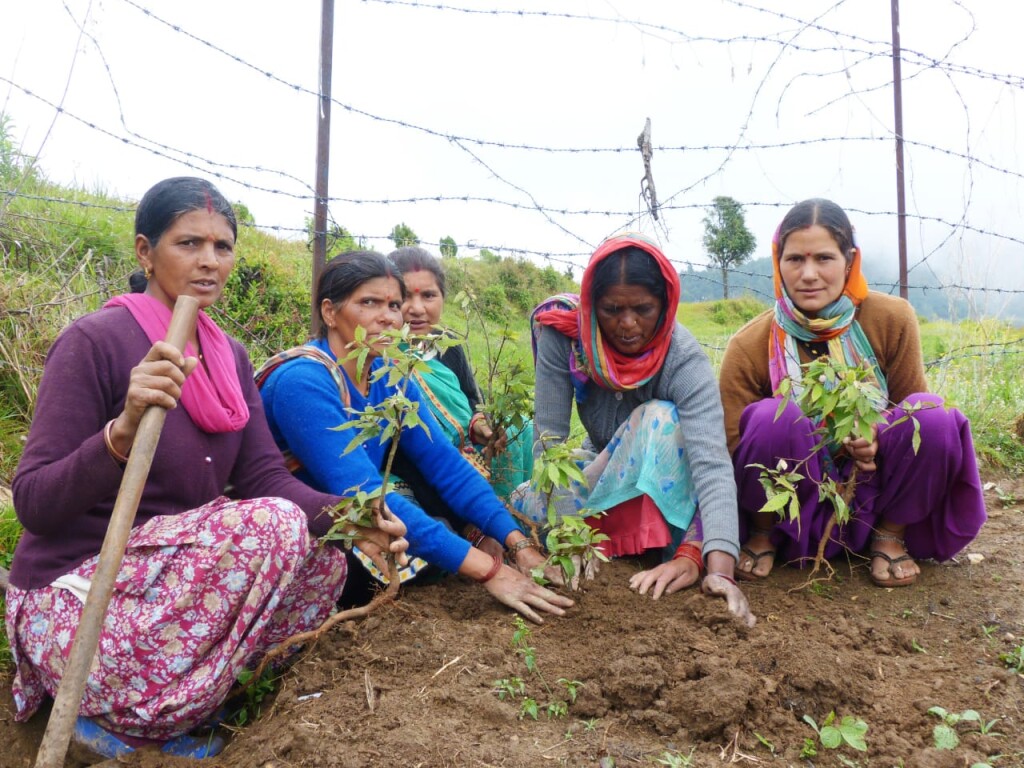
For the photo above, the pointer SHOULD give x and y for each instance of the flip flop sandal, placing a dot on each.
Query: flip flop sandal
(97, 742)
(756, 558)
(892, 581)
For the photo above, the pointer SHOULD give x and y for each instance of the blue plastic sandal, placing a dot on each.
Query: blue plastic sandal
(103, 743)
(97, 739)
(196, 747)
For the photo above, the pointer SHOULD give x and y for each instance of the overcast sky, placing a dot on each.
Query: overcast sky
(231, 91)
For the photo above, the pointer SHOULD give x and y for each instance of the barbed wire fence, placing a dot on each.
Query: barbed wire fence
(854, 50)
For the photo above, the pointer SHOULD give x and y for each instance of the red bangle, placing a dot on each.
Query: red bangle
(474, 535)
(691, 553)
(476, 416)
(730, 579)
(493, 572)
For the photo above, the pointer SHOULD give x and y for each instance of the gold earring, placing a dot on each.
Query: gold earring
(147, 272)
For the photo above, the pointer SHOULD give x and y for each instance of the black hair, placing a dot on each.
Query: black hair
(168, 199)
(347, 271)
(825, 214)
(137, 281)
(629, 266)
(412, 258)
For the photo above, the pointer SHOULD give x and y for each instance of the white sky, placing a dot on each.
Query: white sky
(542, 81)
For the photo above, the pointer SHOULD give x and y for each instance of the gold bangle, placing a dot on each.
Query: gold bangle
(114, 454)
(522, 544)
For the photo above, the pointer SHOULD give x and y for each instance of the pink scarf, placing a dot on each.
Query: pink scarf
(214, 400)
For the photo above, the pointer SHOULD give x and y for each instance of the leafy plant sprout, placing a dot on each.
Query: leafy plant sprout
(385, 421)
(1014, 659)
(945, 734)
(832, 735)
(845, 404)
(675, 759)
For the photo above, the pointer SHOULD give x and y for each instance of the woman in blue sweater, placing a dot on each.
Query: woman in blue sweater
(306, 393)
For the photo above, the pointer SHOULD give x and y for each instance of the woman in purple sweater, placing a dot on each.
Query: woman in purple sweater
(208, 583)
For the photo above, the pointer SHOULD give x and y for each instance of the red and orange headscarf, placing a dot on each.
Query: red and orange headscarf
(593, 357)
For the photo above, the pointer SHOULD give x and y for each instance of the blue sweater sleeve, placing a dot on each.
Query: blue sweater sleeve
(461, 487)
(303, 407)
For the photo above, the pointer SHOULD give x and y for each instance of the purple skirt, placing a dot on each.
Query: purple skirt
(936, 493)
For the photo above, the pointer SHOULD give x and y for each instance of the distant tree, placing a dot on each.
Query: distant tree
(727, 240)
(402, 235)
(448, 247)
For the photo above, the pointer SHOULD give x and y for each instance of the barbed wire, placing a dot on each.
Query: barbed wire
(156, 151)
(921, 217)
(299, 88)
(572, 259)
(883, 46)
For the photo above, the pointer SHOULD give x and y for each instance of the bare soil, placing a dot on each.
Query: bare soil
(414, 684)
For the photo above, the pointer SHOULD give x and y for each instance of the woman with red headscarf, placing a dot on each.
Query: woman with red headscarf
(647, 397)
(907, 504)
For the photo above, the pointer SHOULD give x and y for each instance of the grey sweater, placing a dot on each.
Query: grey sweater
(686, 379)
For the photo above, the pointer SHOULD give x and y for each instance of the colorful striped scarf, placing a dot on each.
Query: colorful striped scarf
(592, 357)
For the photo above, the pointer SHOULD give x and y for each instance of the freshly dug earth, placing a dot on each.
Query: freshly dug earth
(414, 684)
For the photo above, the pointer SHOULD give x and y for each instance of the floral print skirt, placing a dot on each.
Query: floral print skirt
(200, 596)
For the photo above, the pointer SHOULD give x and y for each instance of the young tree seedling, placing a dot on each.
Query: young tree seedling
(845, 403)
(571, 542)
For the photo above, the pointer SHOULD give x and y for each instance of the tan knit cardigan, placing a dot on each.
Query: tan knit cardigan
(889, 323)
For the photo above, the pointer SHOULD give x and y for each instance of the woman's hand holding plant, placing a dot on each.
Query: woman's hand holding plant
(862, 451)
(386, 535)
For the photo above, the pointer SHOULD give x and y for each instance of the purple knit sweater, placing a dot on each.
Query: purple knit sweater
(66, 484)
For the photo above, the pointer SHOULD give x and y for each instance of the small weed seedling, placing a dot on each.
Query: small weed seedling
(945, 733)
(764, 742)
(248, 706)
(832, 734)
(1014, 659)
(514, 688)
(675, 759)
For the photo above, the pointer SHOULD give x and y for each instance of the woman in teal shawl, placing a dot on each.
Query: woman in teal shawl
(505, 458)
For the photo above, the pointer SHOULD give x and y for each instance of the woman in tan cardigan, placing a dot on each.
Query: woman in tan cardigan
(907, 505)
